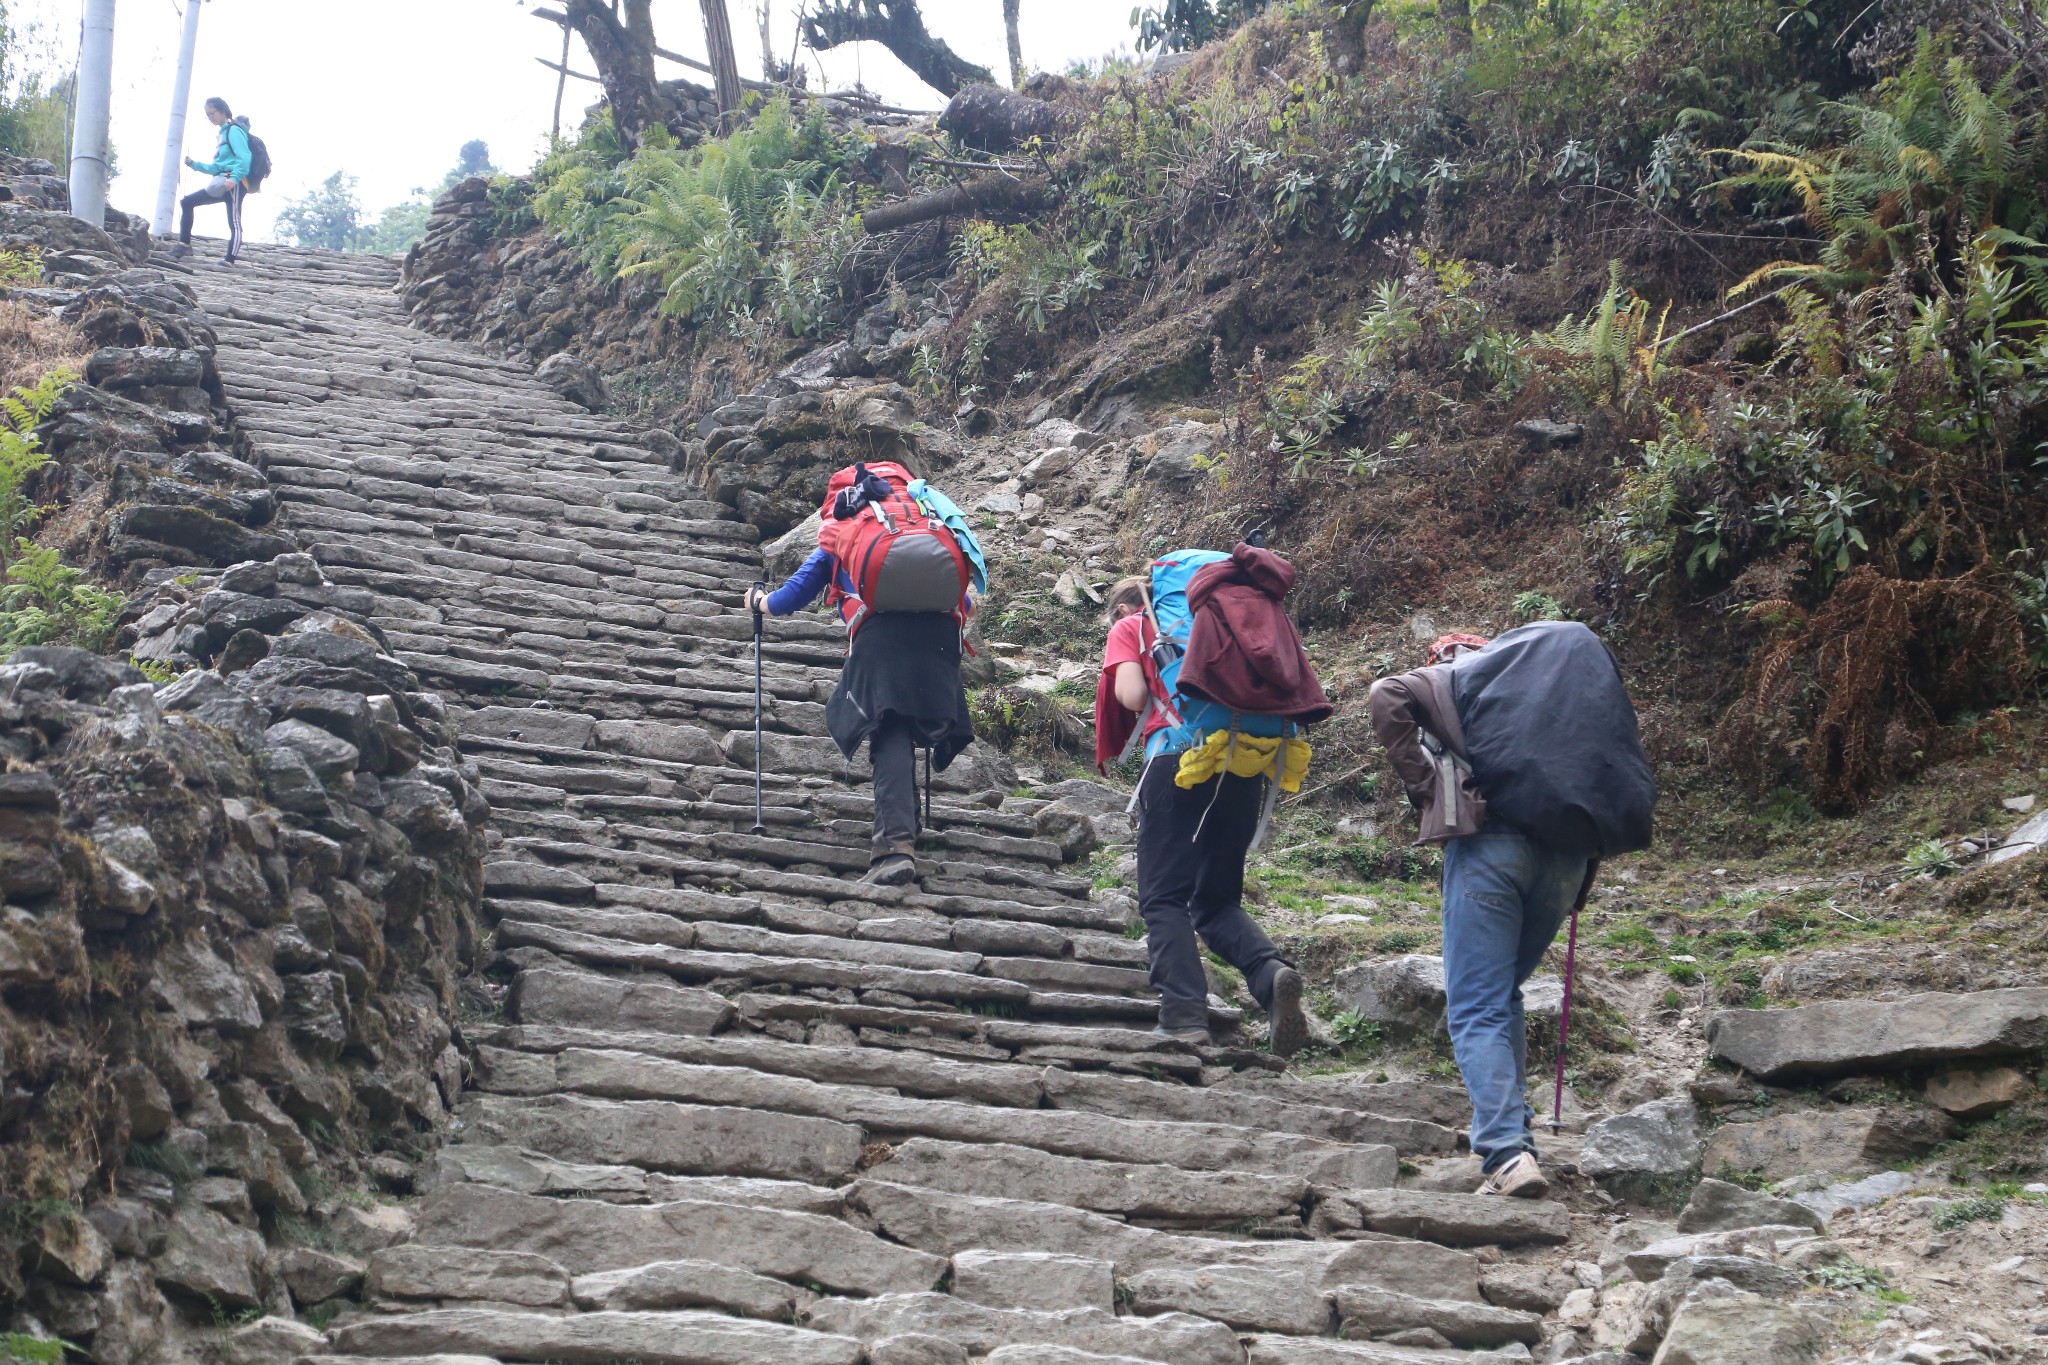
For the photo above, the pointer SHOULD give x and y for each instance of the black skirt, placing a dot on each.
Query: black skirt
(904, 665)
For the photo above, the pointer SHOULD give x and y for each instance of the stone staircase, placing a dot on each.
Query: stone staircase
(738, 1107)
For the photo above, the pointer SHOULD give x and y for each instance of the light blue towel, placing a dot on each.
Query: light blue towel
(937, 505)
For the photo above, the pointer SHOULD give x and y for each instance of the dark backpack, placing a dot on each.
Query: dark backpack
(1553, 741)
(259, 159)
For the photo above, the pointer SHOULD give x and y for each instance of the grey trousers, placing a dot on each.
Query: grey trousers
(892, 749)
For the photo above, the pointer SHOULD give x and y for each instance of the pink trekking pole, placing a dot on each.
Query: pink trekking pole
(1564, 1022)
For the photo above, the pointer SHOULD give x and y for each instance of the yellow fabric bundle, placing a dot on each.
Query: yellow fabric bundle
(1246, 756)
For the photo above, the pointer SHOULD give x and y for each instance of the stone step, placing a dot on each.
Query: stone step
(946, 1224)
(695, 965)
(585, 1236)
(682, 1338)
(1173, 1338)
(909, 1073)
(642, 1084)
(1153, 1194)
(528, 1172)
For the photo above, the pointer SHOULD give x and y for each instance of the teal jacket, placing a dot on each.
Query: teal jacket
(231, 159)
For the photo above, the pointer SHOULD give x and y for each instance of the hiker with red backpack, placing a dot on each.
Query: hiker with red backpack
(1522, 758)
(899, 562)
(1205, 672)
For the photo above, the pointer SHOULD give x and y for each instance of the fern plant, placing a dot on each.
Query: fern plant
(22, 454)
(43, 601)
(1935, 151)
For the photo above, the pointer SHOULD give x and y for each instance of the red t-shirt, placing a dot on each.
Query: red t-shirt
(1127, 639)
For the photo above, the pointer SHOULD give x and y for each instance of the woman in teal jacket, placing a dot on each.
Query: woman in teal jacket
(230, 171)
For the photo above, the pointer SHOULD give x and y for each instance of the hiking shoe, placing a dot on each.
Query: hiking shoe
(1520, 1178)
(1198, 1036)
(892, 869)
(1289, 1024)
(178, 251)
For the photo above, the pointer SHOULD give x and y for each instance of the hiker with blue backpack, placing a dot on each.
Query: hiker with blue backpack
(239, 164)
(1204, 674)
(1522, 758)
(897, 559)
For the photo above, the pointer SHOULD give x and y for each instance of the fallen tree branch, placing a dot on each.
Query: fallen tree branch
(896, 25)
(989, 192)
(561, 69)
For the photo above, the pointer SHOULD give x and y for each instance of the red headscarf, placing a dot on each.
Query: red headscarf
(1447, 647)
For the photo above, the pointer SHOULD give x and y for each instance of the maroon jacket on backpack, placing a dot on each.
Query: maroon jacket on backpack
(1243, 652)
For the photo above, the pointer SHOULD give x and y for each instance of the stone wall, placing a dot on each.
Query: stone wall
(237, 894)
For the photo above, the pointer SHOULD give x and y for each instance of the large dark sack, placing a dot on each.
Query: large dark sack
(1553, 742)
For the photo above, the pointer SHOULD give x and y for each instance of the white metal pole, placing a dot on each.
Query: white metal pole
(95, 94)
(174, 142)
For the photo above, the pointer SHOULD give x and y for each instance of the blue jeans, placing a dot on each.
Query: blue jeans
(1504, 898)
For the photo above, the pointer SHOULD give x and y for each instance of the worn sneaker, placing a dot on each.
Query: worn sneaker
(1198, 1036)
(892, 869)
(1289, 1024)
(1519, 1178)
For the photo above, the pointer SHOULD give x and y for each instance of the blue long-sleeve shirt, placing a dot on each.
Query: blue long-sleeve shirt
(231, 159)
(803, 586)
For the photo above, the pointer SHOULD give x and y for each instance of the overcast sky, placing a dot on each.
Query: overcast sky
(389, 90)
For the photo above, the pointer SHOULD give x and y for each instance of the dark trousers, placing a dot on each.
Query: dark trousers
(892, 749)
(230, 193)
(1190, 885)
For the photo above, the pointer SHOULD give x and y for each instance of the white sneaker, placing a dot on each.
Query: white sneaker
(1520, 1178)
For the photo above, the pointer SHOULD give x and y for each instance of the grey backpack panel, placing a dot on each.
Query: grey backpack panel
(918, 574)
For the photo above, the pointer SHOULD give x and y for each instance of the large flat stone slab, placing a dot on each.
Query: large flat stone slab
(1825, 1142)
(1133, 1191)
(1844, 1037)
(584, 1236)
(599, 1338)
(946, 1224)
(1455, 1219)
(1133, 1098)
(685, 1138)
(421, 1272)
(1248, 1298)
(668, 1285)
(1368, 1311)
(551, 996)
(1175, 1338)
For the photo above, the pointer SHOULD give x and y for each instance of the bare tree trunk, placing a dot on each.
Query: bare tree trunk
(639, 26)
(1010, 8)
(1457, 21)
(896, 25)
(769, 66)
(625, 63)
(725, 65)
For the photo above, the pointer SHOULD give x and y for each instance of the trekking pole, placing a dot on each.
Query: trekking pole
(760, 826)
(1564, 1023)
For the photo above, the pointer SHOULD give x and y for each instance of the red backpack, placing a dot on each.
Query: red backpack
(893, 552)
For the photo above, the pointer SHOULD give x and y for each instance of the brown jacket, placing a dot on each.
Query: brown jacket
(1413, 714)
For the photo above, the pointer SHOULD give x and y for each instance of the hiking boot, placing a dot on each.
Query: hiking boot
(892, 869)
(178, 251)
(1519, 1178)
(1289, 1024)
(1198, 1036)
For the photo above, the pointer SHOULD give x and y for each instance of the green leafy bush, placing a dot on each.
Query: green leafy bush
(718, 225)
(44, 601)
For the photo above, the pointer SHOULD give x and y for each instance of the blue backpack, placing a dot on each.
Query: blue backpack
(1169, 620)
